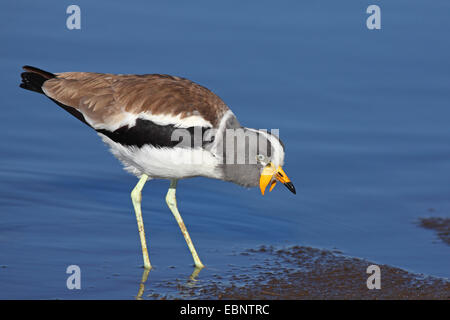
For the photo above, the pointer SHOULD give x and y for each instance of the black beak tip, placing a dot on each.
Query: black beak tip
(291, 187)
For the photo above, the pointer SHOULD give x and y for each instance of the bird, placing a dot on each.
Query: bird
(165, 127)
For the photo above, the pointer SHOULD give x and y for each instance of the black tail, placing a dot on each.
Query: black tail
(34, 78)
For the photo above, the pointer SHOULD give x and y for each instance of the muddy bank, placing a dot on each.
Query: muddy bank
(308, 273)
(440, 225)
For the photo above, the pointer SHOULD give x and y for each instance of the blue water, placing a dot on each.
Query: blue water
(364, 116)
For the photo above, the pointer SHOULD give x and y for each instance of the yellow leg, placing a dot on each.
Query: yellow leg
(136, 198)
(171, 201)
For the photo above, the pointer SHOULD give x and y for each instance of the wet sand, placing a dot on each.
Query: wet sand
(440, 225)
(307, 273)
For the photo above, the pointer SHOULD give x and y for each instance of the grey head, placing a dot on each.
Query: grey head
(251, 157)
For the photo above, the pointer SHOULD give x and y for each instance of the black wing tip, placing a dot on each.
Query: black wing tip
(33, 78)
(47, 75)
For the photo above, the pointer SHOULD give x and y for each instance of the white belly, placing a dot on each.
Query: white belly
(165, 163)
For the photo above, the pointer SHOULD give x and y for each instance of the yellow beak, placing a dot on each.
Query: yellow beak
(270, 174)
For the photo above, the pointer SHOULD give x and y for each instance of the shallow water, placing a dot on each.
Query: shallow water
(364, 116)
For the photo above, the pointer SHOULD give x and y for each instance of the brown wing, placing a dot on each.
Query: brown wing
(106, 99)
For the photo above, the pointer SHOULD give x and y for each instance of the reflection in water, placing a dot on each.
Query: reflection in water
(142, 284)
(190, 283)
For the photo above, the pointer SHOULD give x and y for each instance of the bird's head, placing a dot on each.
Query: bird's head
(262, 157)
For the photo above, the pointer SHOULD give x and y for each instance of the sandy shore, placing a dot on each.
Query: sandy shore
(308, 273)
